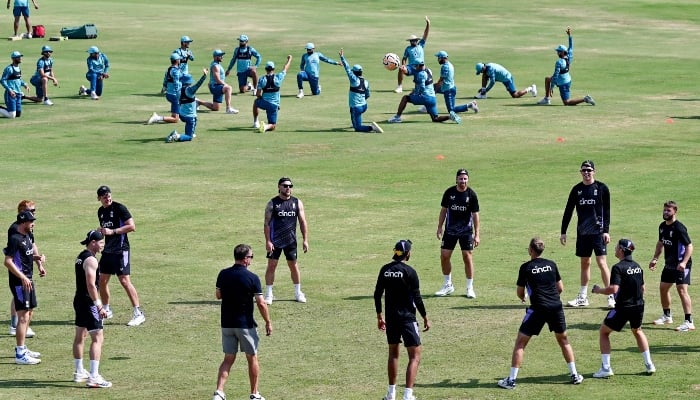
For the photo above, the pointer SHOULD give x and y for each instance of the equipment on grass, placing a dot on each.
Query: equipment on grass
(88, 31)
(38, 31)
(391, 61)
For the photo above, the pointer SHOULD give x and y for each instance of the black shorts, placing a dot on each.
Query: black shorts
(672, 275)
(617, 318)
(588, 244)
(24, 299)
(408, 330)
(535, 319)
(449, 242)
(290, 252)
(86, 315)
(115, 264)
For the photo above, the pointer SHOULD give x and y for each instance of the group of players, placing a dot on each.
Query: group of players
(540, 281)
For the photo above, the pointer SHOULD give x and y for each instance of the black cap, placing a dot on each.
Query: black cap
(92, 235)
(462, 171)
(103, 190)
(25, 216)
(283, 179)
(588, 164)
(626, 245)
(402, 248)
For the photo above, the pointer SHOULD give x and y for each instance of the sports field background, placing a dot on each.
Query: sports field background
(193, 202)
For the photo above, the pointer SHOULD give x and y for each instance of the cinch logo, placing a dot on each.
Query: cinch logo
(29, 252)
(666, 242)
(455, 207)
(584, 202)
(539, 270)
(286, 214)
(393, 274)
(632, 271)
(107, 224)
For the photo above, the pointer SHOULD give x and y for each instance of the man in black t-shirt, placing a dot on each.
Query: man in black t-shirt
(399, 284)
(591, 199)
(459, 213)
(627, 285)
(539, 279)
(115, 224)
(678, 249)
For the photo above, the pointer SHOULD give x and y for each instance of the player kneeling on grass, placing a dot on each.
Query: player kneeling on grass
(423, 94)
(12, 82)
(89, 312)
(358, 95)
(172, 82)
(188, 108)
(268, 96)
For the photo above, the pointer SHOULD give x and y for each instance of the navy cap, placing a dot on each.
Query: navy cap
(462, 171)
(626, 245)
(283, 179)
(401, 248)
(25, 216)
(103, 190)
(92, 235)
(588, 164)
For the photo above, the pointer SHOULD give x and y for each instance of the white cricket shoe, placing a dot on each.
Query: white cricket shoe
(269, 298)
(256, 396)
(533, 90)
(98, 382)
(300, 94)
(153, 118)
(399, 89)
(446, 290)
(256, 124)
(394, 120)
(94, 96)
(470, 293)
(33, 354)
(422, 109)
(686, 326)
(389, 396)
(137, 320)
(48, 102)
(480, 96)
(474, 107)
(664, 320)
(231, 110)
(82, 91)
(30, 333)
(507, 383)
(80, 376)
(576, 379)
(544, 102)
(650, 368)
(26, 359)
(219, 395)
(611, 301)
(300, 297)
(172, 137)
(579, 301)
(376, 127)
(603, 373)
(588, 99)
(454, 117)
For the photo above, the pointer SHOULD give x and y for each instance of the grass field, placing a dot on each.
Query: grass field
(193, 202)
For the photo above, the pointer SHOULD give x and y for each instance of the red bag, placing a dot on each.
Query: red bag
(38, 31)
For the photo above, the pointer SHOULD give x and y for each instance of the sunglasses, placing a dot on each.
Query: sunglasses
(33, 210)
(586, 170)
(287, 186)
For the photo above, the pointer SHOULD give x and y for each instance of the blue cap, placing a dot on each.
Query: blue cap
(218, 52)
(174, 57)
(185, 39)
(561, 47)
(44, 49)
(357, 67)
(310, 46)
(269, 65)
(243, 38)
(441, 54)
(479, 67)
(16, 54)
(93, 50)
(186, 79)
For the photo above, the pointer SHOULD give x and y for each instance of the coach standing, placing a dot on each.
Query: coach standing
(238, 289)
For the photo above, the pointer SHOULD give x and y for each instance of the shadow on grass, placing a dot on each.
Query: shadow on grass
(669, 349)
(688, 117)
(154, 94)
(478, 383)
(197, 302)
(685, 99)
(148, 140)
(472, 306)
(34, 384)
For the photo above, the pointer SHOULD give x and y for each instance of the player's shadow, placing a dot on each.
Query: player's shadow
(687, 117)
(352, 298)
(472, 306)
(669, 349)
(196, 302)
(33, 383)
(140, 122)
(584, 326)
(150, 95)
(477, 383)
(147, 140)
(685, 99)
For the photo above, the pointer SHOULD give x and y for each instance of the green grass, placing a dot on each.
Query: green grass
(193, 202)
